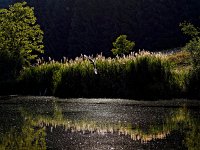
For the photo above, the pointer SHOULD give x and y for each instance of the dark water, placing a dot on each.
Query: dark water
(98, 124)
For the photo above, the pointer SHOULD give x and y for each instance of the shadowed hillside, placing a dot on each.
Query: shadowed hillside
(73, 27)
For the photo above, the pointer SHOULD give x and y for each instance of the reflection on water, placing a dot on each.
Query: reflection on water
(26, 136)
(33, 129)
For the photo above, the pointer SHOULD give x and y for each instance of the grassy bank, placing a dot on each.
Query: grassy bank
(139, 76)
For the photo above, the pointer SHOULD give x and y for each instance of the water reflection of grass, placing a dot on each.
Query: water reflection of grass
(32, 133)
(102, 128)
(180, 120)
(28, 137)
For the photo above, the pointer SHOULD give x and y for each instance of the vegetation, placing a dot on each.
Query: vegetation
(38, 80)
(193, 46)
(180, 60)
(20, 39)
(122, 45)
(140, 76)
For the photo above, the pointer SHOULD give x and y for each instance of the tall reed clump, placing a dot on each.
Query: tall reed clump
(79, 80)
(138, 76)
(38, 80)
(150, 78)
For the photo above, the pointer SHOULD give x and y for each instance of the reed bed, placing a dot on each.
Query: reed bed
(142, 75)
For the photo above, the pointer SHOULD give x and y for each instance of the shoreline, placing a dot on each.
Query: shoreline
(15, 99)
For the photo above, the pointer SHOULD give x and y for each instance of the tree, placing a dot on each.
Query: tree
(122, 45)
(193, 46)
(20, 38)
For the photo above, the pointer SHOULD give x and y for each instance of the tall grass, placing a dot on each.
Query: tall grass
(139, 75)
(38, 80)
(188, 75)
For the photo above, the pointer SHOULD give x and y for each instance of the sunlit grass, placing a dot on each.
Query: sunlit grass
(138, 75)
(181, 61)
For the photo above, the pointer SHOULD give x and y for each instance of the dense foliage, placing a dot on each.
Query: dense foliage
(73, 27)
(193, 46)
(122, 45)
(20, 39)
(143, 77)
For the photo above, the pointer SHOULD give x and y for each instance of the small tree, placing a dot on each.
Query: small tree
(122, 45)
(20, 38)
(193, 46)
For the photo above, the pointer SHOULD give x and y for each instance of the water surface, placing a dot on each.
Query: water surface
(101, 124)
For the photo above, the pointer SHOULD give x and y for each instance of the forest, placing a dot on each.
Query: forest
(75, 27)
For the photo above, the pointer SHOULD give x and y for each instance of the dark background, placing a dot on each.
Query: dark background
(73, 27)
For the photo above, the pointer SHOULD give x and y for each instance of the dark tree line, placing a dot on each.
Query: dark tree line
(73, 27)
